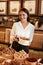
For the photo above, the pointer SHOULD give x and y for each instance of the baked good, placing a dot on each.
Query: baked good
(9, 51)
(20, 55)
(10, 62)
(7, 56)
(2, 59)
(30, 61)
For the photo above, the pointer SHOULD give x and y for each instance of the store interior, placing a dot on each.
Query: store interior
(9, 15)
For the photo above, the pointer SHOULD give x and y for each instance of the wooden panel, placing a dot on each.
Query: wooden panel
(35, 54)
(37, 41)
(2, 36)
(3, 0)
(7, 35)
(2, 29)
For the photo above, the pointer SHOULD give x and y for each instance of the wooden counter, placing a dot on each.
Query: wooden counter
(5, 25)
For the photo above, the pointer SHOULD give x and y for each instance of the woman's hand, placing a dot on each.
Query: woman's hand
(16, 38)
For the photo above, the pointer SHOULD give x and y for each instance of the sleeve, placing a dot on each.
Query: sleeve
(12, 34)
(31, 34)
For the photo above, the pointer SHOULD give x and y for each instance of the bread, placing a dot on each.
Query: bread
(30, 61)
(2, 59)
(7, 56)
(10, 62)
(20, 55)
(9, 51)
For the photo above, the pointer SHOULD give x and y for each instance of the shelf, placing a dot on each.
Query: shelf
(4, 43)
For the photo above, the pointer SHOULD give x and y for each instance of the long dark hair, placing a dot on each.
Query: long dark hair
(27, 12)
(40, 22)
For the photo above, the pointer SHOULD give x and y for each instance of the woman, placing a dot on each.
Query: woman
(22, 32)
(39, 24)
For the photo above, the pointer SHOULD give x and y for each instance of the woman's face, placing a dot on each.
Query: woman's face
(23, 16)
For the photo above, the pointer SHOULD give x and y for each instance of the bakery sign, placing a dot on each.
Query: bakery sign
(3, 7)
(14, 7)
(31, 5)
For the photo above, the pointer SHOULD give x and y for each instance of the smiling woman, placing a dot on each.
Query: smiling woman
(22, 30)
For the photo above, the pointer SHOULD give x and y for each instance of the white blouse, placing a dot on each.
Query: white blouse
(18, 30)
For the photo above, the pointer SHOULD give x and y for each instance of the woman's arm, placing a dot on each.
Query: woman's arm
(12, 34)
(24, 38)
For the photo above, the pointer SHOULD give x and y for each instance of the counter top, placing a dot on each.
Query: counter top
(4, 26)
(38, 30)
